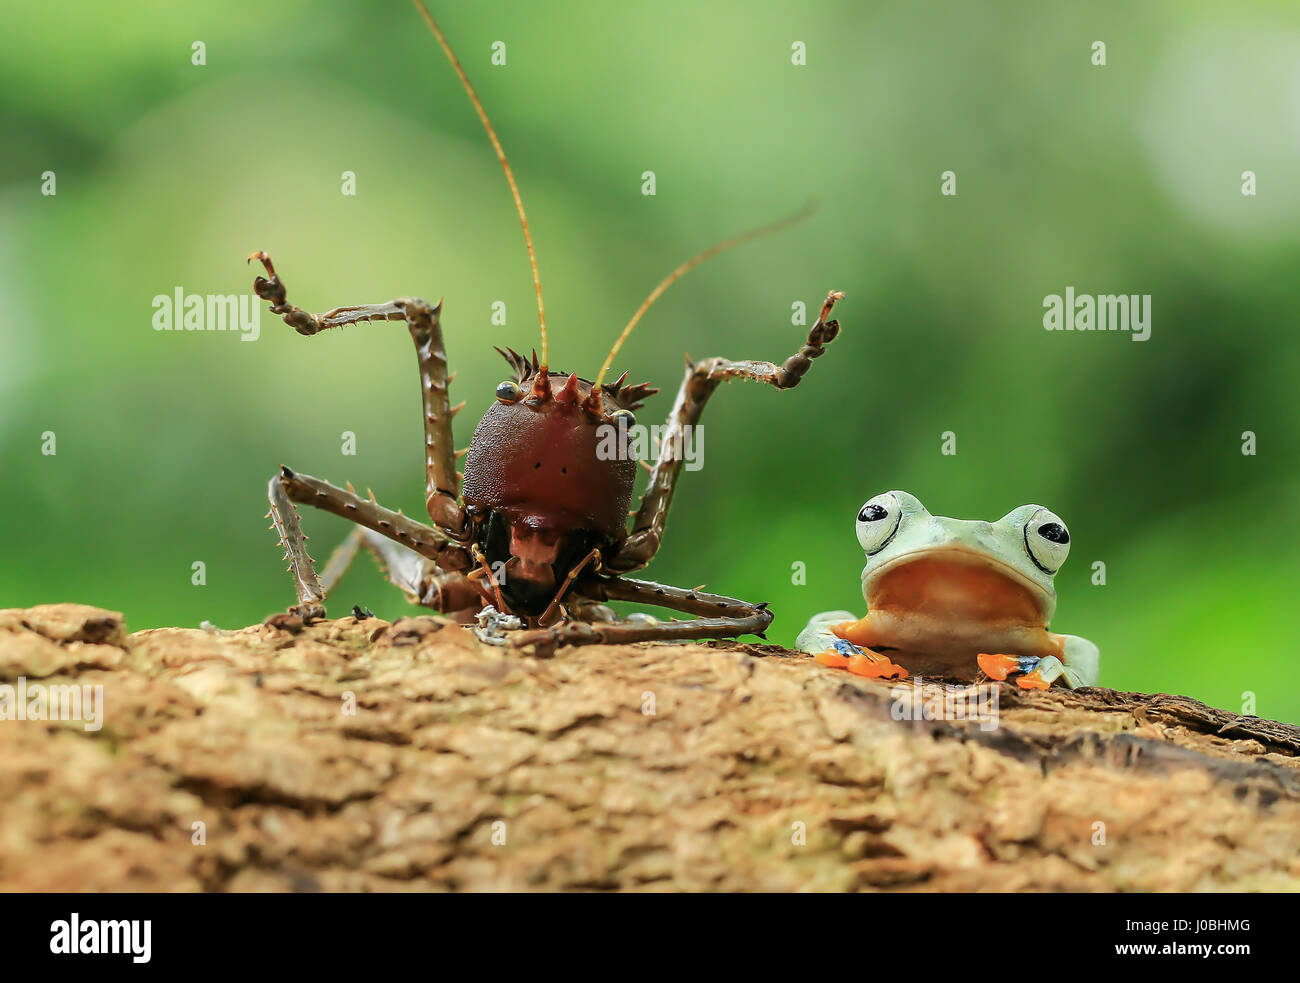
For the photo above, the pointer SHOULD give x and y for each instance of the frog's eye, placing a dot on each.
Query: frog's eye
(877, 522)
(1047, 540)
(509, 392)
(622, 418)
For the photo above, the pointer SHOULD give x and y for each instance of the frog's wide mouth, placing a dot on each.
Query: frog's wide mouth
(956, 579)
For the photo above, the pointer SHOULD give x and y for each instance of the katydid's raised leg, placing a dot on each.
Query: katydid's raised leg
(721, 617)
(702, 378)
(442, 486)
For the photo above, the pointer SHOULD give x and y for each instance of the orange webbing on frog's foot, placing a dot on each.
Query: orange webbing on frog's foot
(1032, 680)
(832, 659)
(875, 666)
(997, 666)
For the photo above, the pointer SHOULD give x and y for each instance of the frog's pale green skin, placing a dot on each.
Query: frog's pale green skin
(947, 596)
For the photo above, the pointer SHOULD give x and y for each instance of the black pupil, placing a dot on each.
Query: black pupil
(872, 513)
(1054, 532)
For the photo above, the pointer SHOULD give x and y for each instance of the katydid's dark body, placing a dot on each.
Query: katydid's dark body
(538, 526)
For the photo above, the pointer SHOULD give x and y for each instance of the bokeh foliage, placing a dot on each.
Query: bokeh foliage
(1117, 179)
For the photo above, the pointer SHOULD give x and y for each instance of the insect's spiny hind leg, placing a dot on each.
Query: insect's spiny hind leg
(344, 553)
(420, 579)
(702, 378)
(442, 484)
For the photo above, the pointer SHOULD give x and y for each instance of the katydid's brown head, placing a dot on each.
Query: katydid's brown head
(553, 452)
(550, 469)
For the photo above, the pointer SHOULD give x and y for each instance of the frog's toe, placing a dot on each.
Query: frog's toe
(1045, 672)
(1032, 680)
(859, 661)
(817, 636)
(997, 666)
(839, 655)
(1081, 662)
(878, 667)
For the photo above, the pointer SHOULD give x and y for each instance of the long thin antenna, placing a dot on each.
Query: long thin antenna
(689, 265)
(501, 156)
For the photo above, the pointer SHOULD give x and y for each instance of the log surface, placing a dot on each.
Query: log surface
(230, 761)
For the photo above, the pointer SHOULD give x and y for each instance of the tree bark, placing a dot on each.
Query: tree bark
(356, 755)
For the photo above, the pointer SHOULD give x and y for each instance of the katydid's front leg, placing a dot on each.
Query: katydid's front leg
(285, 521)
(702, 378)
(442, 485)
(435, 545)
(720, 617)
(427, 541)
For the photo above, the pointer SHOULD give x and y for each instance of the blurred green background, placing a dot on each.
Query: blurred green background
(1123, 178)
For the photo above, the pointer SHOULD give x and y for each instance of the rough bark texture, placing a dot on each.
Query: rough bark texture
(757, 770)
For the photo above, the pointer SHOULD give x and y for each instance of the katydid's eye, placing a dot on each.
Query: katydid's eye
(509, 392)
(1047, 540)
(878, 521)
(622, 418)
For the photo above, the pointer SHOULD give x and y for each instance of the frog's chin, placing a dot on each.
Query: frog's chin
(958, 582)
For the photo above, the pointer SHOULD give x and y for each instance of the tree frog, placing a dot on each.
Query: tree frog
(945, 595)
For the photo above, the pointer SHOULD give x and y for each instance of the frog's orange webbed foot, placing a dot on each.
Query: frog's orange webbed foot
(1030, 669)
(860, 661)
(997, 666)
(1032, 680)
(873, 665)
